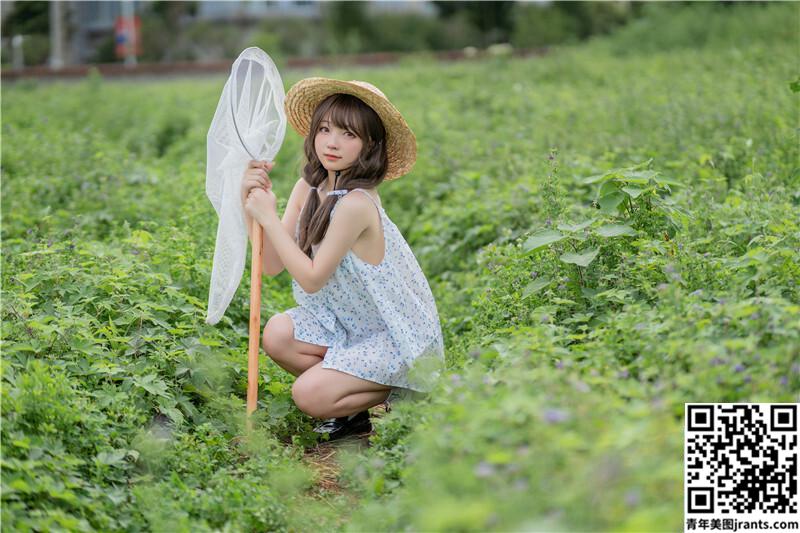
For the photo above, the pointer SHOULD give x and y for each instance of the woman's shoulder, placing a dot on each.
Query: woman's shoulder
(371, 192)
(301, 187)
(356, 203)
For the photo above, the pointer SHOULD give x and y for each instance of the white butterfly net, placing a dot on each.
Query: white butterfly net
(253, 96)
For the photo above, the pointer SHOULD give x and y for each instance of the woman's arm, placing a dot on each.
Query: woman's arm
(351, 220)
(271, 261)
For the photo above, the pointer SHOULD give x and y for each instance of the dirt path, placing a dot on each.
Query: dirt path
(323, 457)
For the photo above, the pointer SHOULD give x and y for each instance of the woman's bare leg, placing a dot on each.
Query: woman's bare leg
(357, 402)
(334, 393)
(292, 355)
(327, 393)
(296, 362)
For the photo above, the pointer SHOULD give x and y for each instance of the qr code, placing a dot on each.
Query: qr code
(741, 459)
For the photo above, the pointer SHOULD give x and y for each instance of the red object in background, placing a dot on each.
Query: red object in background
(126, 33)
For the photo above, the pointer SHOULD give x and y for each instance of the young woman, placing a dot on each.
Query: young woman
(365, 328)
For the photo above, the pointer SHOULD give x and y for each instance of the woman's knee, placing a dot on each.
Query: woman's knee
(278, 334)
(305, 394)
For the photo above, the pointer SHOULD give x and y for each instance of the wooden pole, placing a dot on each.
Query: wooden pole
(255, 321)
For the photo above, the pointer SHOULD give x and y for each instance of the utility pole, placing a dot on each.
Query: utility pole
(18, 58)
(128, 15)
(56, 35)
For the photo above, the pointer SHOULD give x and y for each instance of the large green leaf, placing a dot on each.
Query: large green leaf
(609, 202)
(639, 176)
(152, 384)
(576, 227)
(174, 414)
(595, 178)
(632, 191)
(536, 286)
(667, 181)
(607, 188)
(542, 238)
(582, 258)
(615, 230)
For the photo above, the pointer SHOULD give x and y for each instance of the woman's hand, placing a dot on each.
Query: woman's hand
(259, 204)
(256, 177)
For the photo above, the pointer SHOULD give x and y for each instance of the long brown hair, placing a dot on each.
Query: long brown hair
(346, 112)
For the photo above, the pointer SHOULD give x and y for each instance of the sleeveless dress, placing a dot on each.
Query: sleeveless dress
(379, 322)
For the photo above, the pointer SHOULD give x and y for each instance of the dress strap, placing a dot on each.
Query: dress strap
(343, 192)
(370, 197)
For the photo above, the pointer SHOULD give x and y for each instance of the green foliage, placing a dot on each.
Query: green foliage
(665, 26)
(536, 25)
(606, 238)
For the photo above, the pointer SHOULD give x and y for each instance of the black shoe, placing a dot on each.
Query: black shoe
(343, 426)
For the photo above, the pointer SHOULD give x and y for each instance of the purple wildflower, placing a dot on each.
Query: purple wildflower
(555, 415)
(580, 386)
(455, 378)
(739, 368)
(632, 498)
(560, 364)
(484, 469)
(784, 380)
(623, 374)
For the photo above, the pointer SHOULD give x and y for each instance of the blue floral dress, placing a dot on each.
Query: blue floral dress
(379, 322)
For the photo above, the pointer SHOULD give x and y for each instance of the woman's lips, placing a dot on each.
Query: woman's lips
(332, 157)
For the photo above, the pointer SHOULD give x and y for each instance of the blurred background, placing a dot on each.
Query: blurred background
(59, 35)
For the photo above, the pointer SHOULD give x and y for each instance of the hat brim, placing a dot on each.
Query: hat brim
(401, 143)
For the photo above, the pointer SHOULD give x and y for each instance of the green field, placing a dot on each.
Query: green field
(610, 231)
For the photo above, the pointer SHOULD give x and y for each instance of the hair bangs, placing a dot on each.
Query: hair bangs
(345, 113)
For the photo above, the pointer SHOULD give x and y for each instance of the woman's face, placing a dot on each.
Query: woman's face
(332, 141)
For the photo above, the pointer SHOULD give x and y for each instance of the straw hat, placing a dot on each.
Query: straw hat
(401, 144)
